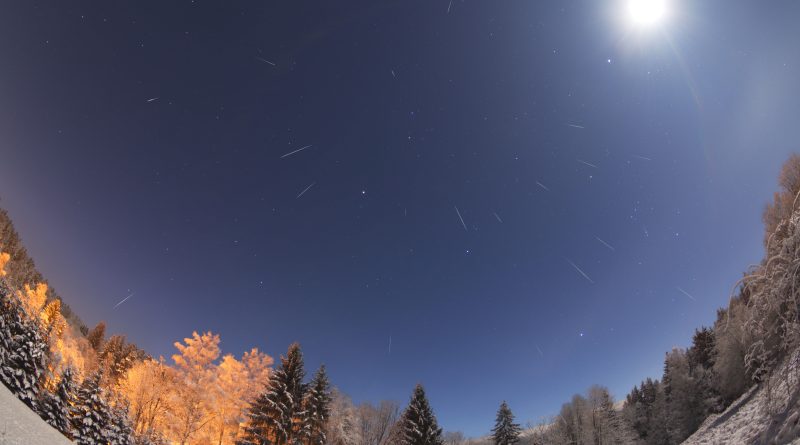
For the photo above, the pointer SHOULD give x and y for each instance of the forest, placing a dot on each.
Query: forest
(97, 388)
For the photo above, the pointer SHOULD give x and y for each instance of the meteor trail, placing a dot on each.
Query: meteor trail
(587, 163)
(579, 270)
(605, 243)
(265, 60)
(293, 152)
(686, 293)
(123, 300)
(306, 189)
(542, 186)
(462, 219)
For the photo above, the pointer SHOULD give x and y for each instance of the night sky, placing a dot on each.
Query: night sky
(501, 200)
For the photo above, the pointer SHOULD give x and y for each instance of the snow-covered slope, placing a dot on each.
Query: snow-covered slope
(21, 426)
(764, 415)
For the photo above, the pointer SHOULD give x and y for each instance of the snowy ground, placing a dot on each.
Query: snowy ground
(760, 416)
(21, 426)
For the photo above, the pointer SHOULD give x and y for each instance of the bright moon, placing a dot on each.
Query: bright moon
(647, 12)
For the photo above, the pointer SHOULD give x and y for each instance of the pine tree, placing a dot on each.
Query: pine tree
(276, 415)
(316, 409)
(120, 429)
(55, 406)
(505, 431)
(22, 350)
(418, 424)
(97, 337)
(90, 416)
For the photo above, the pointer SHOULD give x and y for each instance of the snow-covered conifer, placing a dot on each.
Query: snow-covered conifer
(54, 407)
(418, 424)
(316, 409)
(22, 350)
(90, 416)
(276, 415)
(505, 431)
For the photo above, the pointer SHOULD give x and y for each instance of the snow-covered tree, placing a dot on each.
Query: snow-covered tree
(730, 375)
(148, 389)
(316, 409)
(454, 438)
(22, 349)
(505, 431)
(117, 357)
(236, 381)
(418, 424)
(190, 406)
(684, 395)
(120, 428)
(91, 416)
(344, 424)
(33, 300)
(275, 416)
(54, 407)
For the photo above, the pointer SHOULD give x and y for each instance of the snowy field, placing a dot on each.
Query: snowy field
(21, 426)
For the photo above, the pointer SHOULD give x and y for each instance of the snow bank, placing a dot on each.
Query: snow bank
(21, 426)
(765, 415)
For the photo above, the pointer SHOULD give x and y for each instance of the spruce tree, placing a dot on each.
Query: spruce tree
(22, 350)
(418, 424)
(276, 415)
(55, 406)
(90, 416)
(505, 431)
(120, 429)
(316, 409)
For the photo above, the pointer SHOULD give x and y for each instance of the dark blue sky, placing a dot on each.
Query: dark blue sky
(412, 109)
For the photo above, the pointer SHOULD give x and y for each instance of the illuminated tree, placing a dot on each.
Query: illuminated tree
(227, 397)
(117, 356)
(148, 387)
(4, 259)
(33, 300)
(97, 337)
(191, 410)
